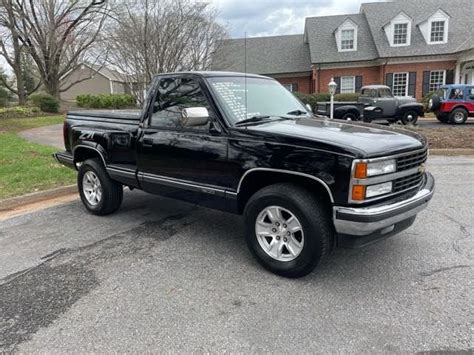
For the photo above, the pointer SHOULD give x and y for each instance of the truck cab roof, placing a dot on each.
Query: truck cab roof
(208, 74)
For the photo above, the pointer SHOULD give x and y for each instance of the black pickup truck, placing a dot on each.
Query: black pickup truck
(245, 145)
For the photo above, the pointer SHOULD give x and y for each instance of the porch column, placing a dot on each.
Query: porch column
(457, 75)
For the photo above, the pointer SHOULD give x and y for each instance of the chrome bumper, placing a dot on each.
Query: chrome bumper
(382, 219)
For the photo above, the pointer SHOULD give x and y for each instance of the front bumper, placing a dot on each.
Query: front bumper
(357, 227)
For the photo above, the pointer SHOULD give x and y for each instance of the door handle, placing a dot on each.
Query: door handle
(147, 142)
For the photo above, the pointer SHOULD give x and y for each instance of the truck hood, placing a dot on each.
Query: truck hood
(401, 100)
(359, 139)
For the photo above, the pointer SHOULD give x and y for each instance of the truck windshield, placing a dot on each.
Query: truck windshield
(255, 97)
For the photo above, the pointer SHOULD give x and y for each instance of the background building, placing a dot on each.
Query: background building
(412, 46)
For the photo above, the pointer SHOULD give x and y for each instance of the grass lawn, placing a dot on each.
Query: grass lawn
(28, 167)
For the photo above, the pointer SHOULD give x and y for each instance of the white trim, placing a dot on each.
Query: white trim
(347, 25)
(389, 28)
(111, 86)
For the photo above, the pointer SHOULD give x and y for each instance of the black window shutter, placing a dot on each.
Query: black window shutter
(426, 82)
(450, 76)
(412, 84)
(337, 80)
(358, 83)
(389, 80)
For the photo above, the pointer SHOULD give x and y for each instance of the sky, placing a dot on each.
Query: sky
(276, 17)
(271, 17)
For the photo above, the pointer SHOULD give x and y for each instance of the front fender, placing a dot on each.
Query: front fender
(413, 106)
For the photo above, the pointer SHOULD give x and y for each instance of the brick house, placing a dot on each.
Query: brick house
(412, 46)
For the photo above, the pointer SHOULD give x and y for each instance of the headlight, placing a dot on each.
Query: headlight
(364, 170)
(379, 189)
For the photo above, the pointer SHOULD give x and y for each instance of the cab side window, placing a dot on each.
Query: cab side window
(175, 94)
(471, 93)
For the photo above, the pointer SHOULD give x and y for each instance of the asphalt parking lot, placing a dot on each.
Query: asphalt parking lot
(166, 276)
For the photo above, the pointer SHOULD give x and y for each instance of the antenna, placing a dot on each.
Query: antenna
(245, 71)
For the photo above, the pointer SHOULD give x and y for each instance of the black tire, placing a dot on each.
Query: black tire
(315, 220)
(442, 118)
(112, 191)
(434, 103)
(458, 116)
(350, 116)
(410, 117)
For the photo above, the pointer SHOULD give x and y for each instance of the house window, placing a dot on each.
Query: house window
(400, 33)
(437, 78)
(400, 84)
(347, 84)
(291, 87)
(347, 40)
(437, 31)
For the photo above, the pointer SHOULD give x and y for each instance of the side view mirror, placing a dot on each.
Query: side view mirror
(194, 116)
(308, 106)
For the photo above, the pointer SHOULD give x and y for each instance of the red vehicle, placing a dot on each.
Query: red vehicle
(453, 103)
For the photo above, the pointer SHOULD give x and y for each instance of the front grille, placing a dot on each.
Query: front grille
(407, 182)
(409, 161)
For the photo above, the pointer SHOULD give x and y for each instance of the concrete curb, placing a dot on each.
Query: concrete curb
(452, 151)
(14, 202)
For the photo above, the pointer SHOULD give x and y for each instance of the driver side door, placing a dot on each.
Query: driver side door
(188, 163)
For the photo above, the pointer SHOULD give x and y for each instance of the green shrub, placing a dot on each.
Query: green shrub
(4, 97)
(19, 112)
(108, 101)
(45, 102)
(346, 97)
(312, 99)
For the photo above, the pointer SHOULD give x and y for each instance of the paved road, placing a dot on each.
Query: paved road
(163, 276)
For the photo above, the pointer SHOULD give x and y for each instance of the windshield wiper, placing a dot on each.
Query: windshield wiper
(252, 119)
(297, 113)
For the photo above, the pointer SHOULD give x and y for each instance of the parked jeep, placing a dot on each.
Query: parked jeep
(453, 103)
(376, 102)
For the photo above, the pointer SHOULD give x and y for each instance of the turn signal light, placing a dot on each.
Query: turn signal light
(360, 171)
(358, 192)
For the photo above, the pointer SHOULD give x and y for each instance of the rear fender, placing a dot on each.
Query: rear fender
(342, 110)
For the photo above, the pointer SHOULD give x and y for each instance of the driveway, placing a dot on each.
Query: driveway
(166, 276)
(48, 135)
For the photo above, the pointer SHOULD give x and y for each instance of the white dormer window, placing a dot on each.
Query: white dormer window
(346, 36)
(437, 31)
(435, 28)
(347, 40)
(400, 33)
(398, 30)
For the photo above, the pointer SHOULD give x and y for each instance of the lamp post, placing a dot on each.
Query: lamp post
(332, 90)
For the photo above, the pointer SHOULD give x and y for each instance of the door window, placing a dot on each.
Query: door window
(175, 94)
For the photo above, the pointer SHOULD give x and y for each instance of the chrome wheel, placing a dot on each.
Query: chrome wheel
(279, 233)
(459, 117)
(92, 188)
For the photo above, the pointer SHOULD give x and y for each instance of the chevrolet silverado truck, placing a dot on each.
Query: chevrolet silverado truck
(376, 102)
(245, 145)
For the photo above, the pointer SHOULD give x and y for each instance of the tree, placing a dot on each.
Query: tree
(149, 37)
(59, 35)
(15, 54)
